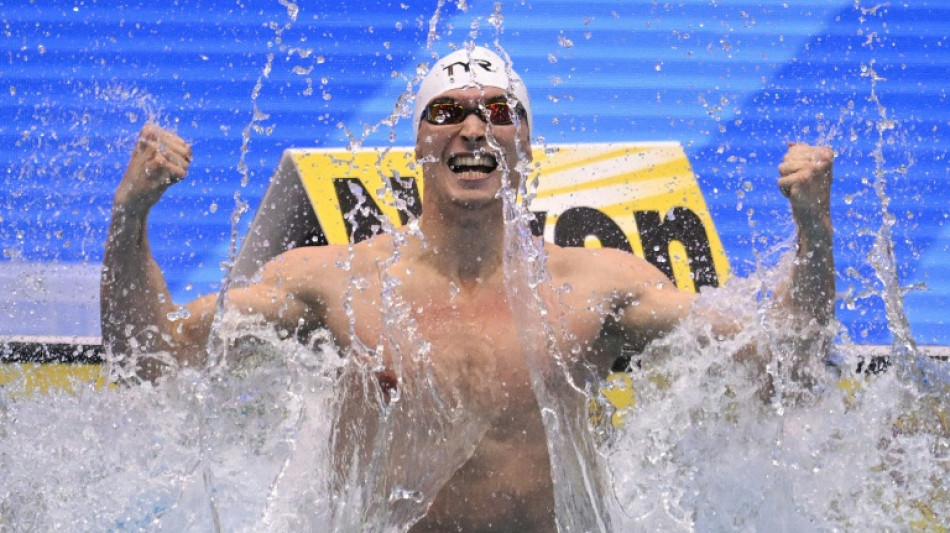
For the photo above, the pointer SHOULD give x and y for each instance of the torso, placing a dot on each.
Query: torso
(506, 484)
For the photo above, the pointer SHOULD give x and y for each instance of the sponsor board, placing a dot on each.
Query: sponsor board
(28, 379)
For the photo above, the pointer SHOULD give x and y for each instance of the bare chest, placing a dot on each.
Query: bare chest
(475, 344)
(470, 341)
(475, 339)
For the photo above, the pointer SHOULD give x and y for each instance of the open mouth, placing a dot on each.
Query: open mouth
(478, 162)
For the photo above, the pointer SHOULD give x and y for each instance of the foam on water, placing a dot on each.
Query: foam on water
(198, 451)
(717, 445)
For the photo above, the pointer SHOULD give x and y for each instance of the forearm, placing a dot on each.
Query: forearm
(810, 293)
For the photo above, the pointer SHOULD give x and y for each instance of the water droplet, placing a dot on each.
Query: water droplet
(181, 313)
(400, 493)
(292, 9)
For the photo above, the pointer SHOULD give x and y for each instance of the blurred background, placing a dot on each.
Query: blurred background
(244, 80)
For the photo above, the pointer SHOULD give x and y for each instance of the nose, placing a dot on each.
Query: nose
(473, 128)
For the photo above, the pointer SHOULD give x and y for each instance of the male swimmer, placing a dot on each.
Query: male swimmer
(473, 120)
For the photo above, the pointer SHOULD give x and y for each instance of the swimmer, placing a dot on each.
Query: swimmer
(472, 116)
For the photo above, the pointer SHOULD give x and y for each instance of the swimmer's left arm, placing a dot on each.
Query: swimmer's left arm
(650, 306)
(805, 177)
(803, 302)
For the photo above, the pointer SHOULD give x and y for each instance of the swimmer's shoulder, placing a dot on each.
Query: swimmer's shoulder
(310, 258)
(307, 269)
(605, 264)
(328, 262)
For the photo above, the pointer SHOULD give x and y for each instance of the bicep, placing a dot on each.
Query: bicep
(290, 293)
(275, 300)
(650, 305)
(659, 307)
(275, 303)
(654, 312)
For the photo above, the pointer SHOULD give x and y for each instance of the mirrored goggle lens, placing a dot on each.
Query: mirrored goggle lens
(440, 113)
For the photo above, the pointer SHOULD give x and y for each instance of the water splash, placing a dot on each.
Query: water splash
(716, 444)
(138, 458)
(711, 446)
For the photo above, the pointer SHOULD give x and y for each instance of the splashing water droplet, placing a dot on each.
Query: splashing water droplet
(181, 314)
(496, 19)
(400, 493)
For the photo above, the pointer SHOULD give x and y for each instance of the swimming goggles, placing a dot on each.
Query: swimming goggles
(446, 112)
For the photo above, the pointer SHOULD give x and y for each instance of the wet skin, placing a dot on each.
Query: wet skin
(506, 484)
(452, 279)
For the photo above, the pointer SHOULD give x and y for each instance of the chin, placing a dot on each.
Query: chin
(477, 202)
(475, 199)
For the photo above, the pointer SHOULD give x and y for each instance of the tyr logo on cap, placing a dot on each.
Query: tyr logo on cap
(484, 63)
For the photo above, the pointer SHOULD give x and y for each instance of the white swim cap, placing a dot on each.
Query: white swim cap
(463, 69)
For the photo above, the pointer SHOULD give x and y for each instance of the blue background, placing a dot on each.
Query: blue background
(732, 81)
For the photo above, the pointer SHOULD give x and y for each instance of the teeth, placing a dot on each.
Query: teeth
(472, 161)
(482, 162)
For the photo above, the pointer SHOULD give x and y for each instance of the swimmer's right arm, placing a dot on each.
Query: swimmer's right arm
(137, 312)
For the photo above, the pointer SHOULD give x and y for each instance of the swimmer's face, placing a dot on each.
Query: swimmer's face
(467, 142)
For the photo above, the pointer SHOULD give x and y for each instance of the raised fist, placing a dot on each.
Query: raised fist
(805, 176)
(159, 160)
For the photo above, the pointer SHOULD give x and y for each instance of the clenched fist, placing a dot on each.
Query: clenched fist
(805, 176)
(159, 160)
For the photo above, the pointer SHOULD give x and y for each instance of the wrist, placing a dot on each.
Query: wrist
(814, 222)
(129, 220)
(126, 204)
